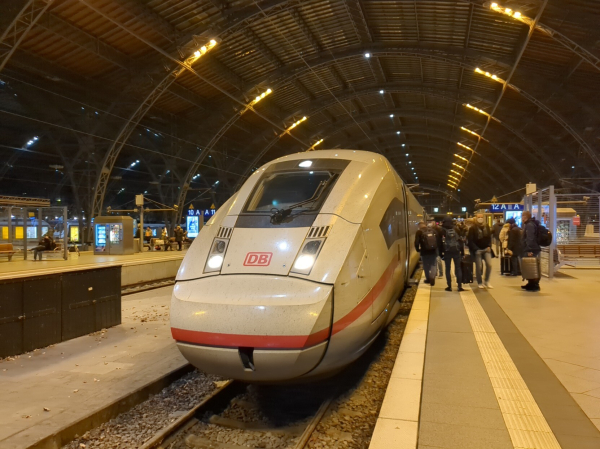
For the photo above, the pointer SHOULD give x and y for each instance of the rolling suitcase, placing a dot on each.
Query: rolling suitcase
(466, 266)
(505, 265)
(530, 268)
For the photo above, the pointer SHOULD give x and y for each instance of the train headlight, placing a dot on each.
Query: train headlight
(307, 256)
(214, 262)
(216, 255)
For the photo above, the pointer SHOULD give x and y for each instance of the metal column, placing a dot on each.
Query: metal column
(39, 224)
(25, 234)
(10, 226)
(552, 228)
(65, 235)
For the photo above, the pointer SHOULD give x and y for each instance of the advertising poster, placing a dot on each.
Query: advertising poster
(192, 226)
(74, 233)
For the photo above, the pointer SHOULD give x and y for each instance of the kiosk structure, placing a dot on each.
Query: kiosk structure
(113, 235)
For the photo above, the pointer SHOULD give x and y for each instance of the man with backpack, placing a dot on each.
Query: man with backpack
(480, 246)
(452, 249)
(427, 242)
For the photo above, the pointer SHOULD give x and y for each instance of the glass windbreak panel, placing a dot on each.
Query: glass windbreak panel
(283, 190)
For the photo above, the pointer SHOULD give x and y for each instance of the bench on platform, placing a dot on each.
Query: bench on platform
(579, 251)
(6, 249)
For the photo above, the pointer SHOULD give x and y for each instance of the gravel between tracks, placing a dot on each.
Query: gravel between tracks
(131, 429)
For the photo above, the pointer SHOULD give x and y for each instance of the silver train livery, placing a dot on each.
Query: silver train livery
(298, 272)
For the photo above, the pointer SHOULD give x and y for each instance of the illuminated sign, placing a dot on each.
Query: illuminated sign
(192, 226)
(74, 233)
(201, 213)
(501, 207)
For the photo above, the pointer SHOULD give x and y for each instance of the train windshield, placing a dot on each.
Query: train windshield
(294, 187)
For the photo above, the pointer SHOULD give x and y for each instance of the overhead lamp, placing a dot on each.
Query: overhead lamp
(453, 177)
(450, 185)
(459, 166)
(293, 125)
(470, 132)
(367, 55)
(403, 145)
(455, 172)
(398, 132)
(318, 142)
(261, 96)
(381, 91)
(406, 154)
(489, 75)
(460, 157)
(509, 12)
(201, 52)
(391, 115)
(409, 162)
(464, 146)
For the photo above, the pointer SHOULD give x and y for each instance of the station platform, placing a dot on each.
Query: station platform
(52, 388)
(136, 268)
(500, 368)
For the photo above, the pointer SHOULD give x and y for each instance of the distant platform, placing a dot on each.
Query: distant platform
(500, 368)
(163, 264)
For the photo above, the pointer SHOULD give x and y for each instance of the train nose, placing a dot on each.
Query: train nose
(252, 327)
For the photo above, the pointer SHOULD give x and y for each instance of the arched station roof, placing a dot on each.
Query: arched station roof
(103, 99)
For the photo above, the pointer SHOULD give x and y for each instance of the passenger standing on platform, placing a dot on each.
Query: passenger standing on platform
(504, 236)
(164, 236)
(427, 242)
(480, 246)
(148, 235)
(432, 225)
(179, 234)
(452, 250)
(496, 229)
(137, 232)
(514, 246)
(531, 248)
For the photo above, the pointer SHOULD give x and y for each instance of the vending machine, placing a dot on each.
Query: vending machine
(113, 235)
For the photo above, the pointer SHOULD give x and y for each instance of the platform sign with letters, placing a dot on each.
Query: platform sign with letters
(577, 221)
(502, 207)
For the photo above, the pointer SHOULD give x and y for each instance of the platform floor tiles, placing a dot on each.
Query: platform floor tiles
(505, 368)
(75, 378)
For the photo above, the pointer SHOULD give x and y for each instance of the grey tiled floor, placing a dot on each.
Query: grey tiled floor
(458, 409)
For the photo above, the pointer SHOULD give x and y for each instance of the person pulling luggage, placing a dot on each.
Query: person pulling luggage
(427, 242)
(440, 265)
(480, 242)
(531, 248)
(452, 250)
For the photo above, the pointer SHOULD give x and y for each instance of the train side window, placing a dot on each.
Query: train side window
(392, 224)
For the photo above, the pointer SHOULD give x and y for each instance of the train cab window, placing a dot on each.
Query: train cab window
(284, 190)
(392, 224)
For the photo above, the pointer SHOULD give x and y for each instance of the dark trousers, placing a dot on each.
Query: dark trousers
(448, 259)
(515, 261)
(179, 245)
(429, 266)
(38, 250)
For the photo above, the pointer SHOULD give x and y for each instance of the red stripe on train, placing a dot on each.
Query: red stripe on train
(286, 341)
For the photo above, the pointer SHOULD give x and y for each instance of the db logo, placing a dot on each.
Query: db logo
(258, 259)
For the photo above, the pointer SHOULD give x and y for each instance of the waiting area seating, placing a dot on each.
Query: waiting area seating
(6, 249)
(587, 251)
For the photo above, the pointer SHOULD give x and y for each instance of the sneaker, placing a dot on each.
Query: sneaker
(488, 285)
(448, 289)
(460, 289)
(480, 286)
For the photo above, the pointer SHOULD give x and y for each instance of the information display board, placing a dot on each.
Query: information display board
(192, 226)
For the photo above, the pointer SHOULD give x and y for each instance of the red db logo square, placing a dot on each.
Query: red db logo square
(258, 259)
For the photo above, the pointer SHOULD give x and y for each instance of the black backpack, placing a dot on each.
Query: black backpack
(429, 240)
(542, 234)
(451, 240)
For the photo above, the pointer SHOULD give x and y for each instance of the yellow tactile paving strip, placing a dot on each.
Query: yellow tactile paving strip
(524, 420)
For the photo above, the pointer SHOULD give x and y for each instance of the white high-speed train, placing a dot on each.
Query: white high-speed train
(300, 270)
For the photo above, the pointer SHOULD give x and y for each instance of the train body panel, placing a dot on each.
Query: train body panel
(305, 287)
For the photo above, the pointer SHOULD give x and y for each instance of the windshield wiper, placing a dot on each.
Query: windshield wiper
(281, 214)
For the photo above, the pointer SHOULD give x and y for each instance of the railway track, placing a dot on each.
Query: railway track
(211, 421)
